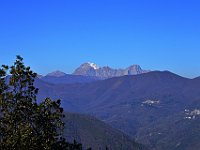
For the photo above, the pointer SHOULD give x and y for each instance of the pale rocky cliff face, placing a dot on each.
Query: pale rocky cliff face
(86, 69)
(91, 69)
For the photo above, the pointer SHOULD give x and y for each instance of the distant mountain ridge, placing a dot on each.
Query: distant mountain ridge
(89, 72)
(56, 73)
(91, 69)
(62, 78)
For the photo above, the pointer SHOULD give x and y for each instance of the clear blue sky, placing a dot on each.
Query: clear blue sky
(62, 34)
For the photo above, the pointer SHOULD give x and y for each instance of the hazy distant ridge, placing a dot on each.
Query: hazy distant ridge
(91, 69)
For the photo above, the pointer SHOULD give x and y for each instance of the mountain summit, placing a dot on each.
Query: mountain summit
(56, 74)
(91, 69)
(93, 65)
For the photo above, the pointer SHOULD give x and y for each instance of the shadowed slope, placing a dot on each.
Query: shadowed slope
(96, 134)
(132, 103)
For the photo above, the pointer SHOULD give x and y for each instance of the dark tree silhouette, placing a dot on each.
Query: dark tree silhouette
(24, 123)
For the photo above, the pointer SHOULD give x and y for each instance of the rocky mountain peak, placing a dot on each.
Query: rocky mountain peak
(91, 69)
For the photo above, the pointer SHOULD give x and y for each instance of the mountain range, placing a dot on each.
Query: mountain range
(89, 72)
(91, 69)
(158, 109)
(58, 77)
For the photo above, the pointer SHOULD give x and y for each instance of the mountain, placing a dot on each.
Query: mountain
(56, 74)
(89, 72)
(39, 76)
(153, 107)
(59, 78)
(91, 69)
(96, 134)
(178, 132)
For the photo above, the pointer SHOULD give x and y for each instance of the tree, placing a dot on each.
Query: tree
(26, 124)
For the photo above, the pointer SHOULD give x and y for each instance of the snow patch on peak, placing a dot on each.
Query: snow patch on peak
(93, 65)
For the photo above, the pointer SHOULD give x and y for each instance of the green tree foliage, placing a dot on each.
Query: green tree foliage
(24, 123)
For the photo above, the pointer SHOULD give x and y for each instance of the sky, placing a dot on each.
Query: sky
(62, 34)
